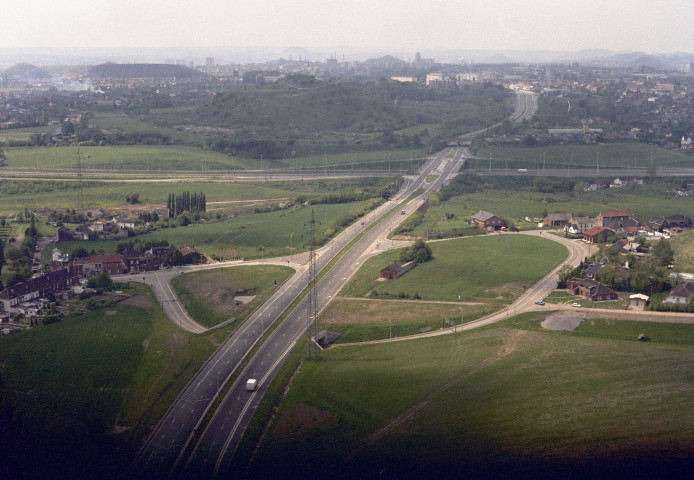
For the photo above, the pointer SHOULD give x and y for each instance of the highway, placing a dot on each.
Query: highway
(166, 448)
(173, 433)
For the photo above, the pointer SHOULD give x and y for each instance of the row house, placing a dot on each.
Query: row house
(93, 266)
(54, 283)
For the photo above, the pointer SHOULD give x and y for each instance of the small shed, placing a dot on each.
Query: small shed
(395, 270)
(638, 301)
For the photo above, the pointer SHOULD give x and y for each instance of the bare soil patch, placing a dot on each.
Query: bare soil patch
(562, 322)
(141, 301)
(303, 420)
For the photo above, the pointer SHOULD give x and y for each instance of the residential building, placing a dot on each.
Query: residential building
(93, 266)
(53, 283)
(591, 289)
(681, 294)
(580, 224)
(672, 221)
(638, 301)
(557, 219)
(488, 220)
(597, 234)
(610, 217)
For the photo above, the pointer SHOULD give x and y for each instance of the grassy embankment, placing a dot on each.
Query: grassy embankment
(80, 396)
(208, 296)
(502, 401)
(683, 245)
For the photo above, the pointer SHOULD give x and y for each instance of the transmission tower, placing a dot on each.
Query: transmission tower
(80, 200)
(312, 308)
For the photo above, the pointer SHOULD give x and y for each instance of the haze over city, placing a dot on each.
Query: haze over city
(635, 25)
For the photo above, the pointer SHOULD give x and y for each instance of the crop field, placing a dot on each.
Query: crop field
(260, 235)
(623, 154)
(642, 202)
(209, 295)
(359, 320)
(85, 391)
(490, 269)
(498, 402)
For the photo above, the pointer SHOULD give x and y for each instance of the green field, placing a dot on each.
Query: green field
(241, 236)
(496, 403)
(208, 296)
(683, 244)
(493, 268)
(622, 154)
(86, 391)
(151, 159)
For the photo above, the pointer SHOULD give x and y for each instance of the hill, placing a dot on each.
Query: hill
(25, 71)
(301, 102)
(144, 70)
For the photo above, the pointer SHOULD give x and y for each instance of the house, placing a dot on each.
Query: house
(672, 221)
(488, 220)
(597, 234)
(191, 255)
(611, 217)
(638, 301)
(626, 182)
(593, 269)
(557, 219)
(592, 185)
(580, 224)
(591, 289)
(132, 260)
(395, 270)
(624, 246)
(93, 266)
(53, 283)
(681, 294)
(64, 234)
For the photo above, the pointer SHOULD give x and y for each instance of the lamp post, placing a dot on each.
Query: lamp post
(390, 324)
(290, 246)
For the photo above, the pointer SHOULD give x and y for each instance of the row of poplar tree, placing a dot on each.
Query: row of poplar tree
(185, 202)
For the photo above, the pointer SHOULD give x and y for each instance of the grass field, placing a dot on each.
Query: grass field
(642, 202)
(208, 296)
(118, 158)
(86, 391)
(241, 236)
(683, 244)
(622, 154)
(362, 320)
(506, 401)
(479, 269)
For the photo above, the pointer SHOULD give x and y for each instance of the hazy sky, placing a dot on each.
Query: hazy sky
(647, 25)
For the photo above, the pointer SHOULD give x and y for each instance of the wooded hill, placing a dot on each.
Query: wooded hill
(144, 70)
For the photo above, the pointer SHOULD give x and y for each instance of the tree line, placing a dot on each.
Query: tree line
(185, 202)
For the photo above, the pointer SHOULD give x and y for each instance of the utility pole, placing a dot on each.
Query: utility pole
(80, 200)
(312, 308)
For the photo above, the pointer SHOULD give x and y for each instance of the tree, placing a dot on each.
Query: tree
(3, 158)
(420, 252)
(101, 282)
(68, 128)
(662, 253)
(173, 257)
(2, 254)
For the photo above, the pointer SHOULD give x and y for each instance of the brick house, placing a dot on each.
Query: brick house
(557, 219)
(92, 266)
(597, 234)
(591, 289)
(488, 220)
(40, 287)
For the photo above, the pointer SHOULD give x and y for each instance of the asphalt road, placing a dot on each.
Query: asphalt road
(165, 448)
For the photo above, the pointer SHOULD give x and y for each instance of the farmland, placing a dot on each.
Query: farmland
(492, 269)
(503, 401)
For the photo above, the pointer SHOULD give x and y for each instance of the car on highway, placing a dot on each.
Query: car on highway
(539, 302)
(576, 305)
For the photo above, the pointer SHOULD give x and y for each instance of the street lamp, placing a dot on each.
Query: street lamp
(390, 324)
(290, 246)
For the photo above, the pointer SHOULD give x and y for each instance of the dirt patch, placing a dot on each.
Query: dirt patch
(141, 301)
(303, 420)
(562, 322)
(110, 313)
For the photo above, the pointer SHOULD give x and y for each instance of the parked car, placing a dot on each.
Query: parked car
(576, 305)
(539, 302)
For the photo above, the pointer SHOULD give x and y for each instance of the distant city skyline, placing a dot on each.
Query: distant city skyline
(620, 25)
